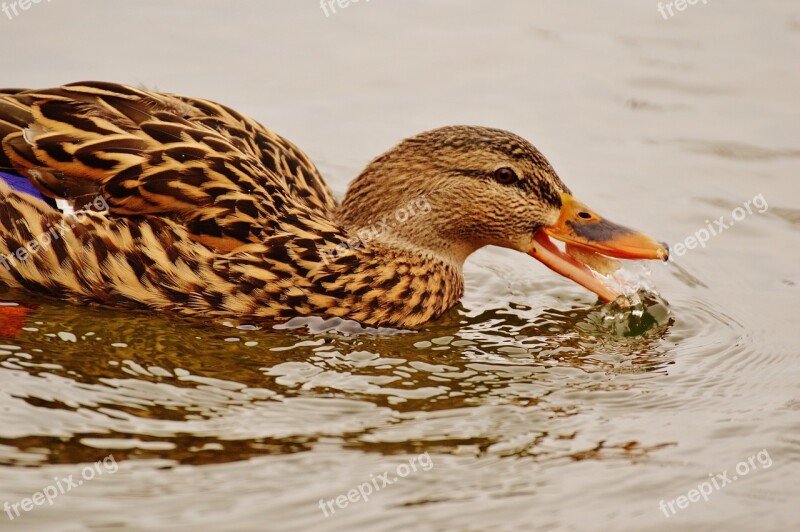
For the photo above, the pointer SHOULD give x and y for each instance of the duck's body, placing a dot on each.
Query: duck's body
(208, 213)
(186, 205)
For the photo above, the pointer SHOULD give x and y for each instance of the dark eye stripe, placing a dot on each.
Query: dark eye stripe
(471, 173)
(521, 183)
(543, 190)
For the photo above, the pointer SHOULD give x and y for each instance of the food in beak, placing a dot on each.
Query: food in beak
(590, 242)
(597, 262)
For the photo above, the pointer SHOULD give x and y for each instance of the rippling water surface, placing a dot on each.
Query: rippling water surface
(528, 407)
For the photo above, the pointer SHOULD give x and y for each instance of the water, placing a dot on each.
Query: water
(537, 409)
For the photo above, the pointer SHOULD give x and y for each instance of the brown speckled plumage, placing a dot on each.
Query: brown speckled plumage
(209, 213)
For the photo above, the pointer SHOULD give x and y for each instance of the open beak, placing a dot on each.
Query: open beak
(583, 228)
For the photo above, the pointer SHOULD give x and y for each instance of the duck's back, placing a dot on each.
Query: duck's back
(226, 178)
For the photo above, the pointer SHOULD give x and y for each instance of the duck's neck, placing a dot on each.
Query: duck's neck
(394, 283)
(418, 224)
(403, 258)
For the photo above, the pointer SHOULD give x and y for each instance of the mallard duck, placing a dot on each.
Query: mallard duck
(164, 202)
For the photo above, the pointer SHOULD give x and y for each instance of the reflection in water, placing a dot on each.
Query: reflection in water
(83, 382)
(521, 382)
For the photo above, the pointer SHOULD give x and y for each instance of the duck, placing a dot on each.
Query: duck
(155, 201)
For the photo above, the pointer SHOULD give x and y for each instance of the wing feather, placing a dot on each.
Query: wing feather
(224, 176)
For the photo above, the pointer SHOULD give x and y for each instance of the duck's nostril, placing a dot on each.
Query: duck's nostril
(584, 215)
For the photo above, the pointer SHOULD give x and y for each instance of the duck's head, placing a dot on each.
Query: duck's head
(450, 191)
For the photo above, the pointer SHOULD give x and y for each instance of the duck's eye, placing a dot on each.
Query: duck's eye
(505, 176)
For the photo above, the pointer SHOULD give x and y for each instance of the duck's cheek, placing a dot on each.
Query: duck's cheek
(550, 217)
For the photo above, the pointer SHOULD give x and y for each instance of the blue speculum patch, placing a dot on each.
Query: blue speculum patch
(20, 184)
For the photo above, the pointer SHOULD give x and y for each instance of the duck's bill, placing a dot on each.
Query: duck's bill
(583, 228)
